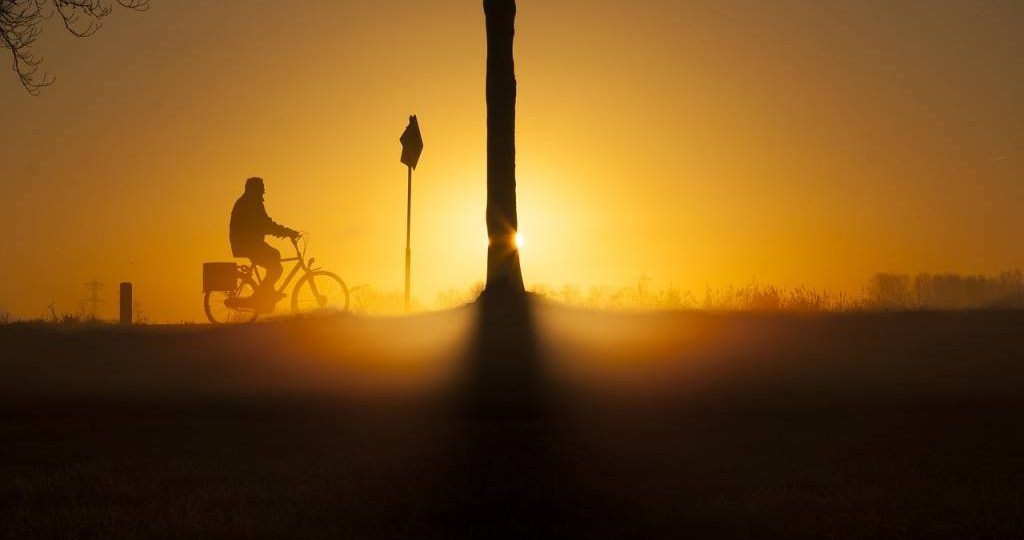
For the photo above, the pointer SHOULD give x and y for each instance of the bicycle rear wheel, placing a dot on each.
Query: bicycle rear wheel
(220, 306)
(320, 291)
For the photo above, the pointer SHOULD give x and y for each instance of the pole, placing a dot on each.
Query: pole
(408, 234)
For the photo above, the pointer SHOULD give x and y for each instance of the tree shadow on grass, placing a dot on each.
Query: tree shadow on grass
(504, 471)
(504, 374)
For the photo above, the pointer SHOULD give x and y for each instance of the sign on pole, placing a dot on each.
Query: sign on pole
(412, 143)
(412, 147)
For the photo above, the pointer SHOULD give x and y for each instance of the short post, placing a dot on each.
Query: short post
(126, 303)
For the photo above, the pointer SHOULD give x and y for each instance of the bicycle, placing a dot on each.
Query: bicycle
(316, 290)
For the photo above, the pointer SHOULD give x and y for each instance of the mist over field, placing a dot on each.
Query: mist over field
(882, 292)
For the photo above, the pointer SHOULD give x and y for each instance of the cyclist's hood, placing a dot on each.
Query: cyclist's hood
(254, 187)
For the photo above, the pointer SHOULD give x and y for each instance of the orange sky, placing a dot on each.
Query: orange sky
(700, 142)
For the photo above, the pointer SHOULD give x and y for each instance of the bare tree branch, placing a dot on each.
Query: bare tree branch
(22, 21)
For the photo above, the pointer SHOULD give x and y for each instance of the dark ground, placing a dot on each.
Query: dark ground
(900, 425)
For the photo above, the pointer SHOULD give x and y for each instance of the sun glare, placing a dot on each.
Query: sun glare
(518, 240)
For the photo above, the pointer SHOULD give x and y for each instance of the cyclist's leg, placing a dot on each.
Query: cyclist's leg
(270, 259)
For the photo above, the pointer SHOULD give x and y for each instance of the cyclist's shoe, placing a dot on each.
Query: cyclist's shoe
(265, 302)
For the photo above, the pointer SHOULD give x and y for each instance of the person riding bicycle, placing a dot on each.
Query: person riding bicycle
(249, 225)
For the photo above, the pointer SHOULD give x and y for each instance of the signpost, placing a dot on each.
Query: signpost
(412, 147)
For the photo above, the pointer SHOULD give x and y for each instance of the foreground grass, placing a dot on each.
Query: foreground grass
(895, 425)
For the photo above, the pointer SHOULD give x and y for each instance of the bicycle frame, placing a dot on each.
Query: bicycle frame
(301, 264)
(238, 300)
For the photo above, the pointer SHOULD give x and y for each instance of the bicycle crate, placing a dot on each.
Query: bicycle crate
(219, 276)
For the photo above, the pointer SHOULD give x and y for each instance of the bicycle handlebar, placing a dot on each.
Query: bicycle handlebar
(295, 243)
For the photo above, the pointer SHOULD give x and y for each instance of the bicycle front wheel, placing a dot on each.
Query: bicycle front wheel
(320, 291)
(231, 307)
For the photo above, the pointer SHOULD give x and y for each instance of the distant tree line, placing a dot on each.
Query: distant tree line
(945, 291)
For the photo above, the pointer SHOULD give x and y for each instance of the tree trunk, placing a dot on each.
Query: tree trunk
(503, 271)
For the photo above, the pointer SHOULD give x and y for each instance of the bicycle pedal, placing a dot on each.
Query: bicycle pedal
(239, 303)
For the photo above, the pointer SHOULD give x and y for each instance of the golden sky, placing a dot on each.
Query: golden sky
(695, 142)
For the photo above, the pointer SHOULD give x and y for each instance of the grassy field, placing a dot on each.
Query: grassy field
(894, 425)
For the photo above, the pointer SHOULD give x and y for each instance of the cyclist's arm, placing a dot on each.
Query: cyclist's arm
(274, 228)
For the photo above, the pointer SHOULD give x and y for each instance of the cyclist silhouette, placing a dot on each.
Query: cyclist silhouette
(249, 225)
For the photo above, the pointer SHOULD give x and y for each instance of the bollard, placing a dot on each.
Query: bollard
(126, 303)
